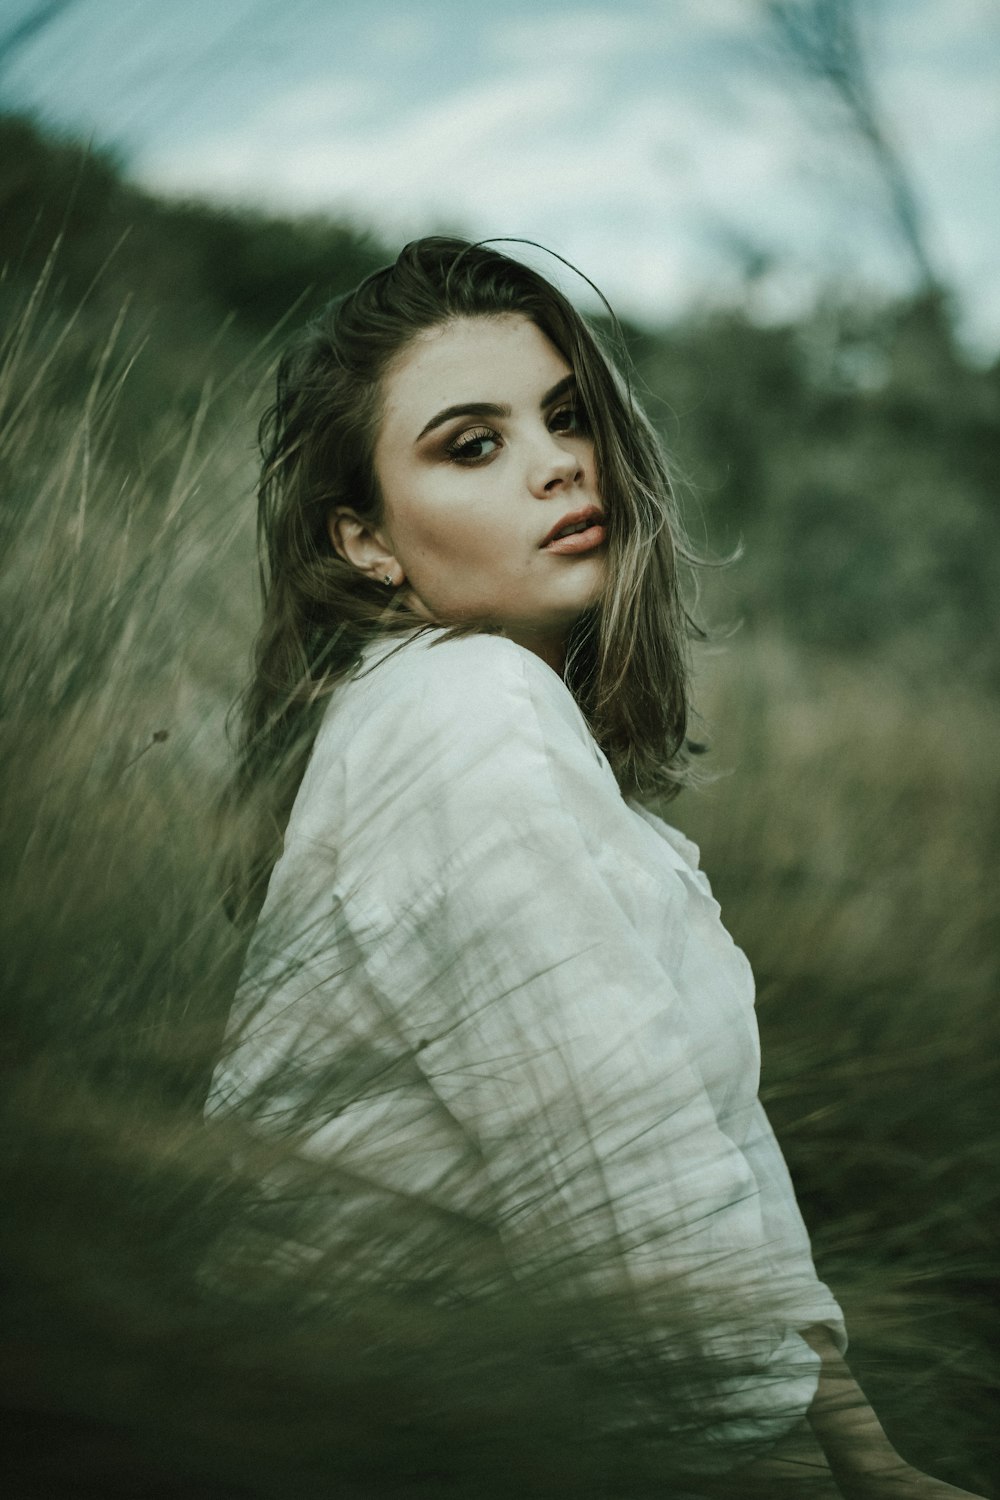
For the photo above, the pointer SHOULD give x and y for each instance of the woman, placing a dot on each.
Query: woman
(485, 976)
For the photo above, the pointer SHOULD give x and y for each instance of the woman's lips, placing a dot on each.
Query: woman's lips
(581, 530)
(578, 541)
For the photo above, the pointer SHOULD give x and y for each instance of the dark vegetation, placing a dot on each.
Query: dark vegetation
(852, 844)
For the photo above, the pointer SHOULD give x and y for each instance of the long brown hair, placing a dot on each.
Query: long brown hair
(627, 657)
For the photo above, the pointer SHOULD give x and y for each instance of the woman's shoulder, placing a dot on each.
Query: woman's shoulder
(417, 715)
(678, 841)
(467, 717)
(484, 682)
(441, 659)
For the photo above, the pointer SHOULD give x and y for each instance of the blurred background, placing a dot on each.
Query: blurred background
(792, 208)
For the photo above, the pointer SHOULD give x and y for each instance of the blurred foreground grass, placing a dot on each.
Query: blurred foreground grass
(852, 846)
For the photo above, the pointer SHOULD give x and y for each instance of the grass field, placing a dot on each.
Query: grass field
(851, 840)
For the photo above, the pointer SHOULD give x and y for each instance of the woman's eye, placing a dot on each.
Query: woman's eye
(571, 419)
(473, 446)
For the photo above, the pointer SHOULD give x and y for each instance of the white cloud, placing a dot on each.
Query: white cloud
(320, 105)
(584, 34)
(443, 151)
(928, 26)
(405, 34)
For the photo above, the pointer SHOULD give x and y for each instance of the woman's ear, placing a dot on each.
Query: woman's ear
(363, 546)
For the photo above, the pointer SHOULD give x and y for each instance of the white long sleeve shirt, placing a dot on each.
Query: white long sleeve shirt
(541, 969)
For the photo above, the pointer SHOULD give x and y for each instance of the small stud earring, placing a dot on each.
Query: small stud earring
(387, 580)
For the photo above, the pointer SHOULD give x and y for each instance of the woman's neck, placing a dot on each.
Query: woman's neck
(551, 648)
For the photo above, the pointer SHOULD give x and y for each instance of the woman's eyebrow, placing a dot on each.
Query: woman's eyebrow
(561, 388)
(464, 409)
(490, 409)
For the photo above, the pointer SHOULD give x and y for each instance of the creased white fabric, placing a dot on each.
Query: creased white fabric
(463, 885)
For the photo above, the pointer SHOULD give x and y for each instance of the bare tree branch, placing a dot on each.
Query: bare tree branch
(823, 37)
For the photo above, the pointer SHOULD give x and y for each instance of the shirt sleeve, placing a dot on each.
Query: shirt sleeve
(804, 1300)
(482, 892)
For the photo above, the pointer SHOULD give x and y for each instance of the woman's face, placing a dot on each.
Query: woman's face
(481, 457)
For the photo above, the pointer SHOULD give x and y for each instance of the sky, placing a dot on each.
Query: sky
(665, 147)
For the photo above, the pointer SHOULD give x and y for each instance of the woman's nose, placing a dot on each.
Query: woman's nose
(554, 467)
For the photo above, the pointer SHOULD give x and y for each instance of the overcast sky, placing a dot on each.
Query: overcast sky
(659, 144)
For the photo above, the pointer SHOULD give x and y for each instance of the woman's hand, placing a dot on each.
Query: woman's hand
(864, 1463)
(906, 1483)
